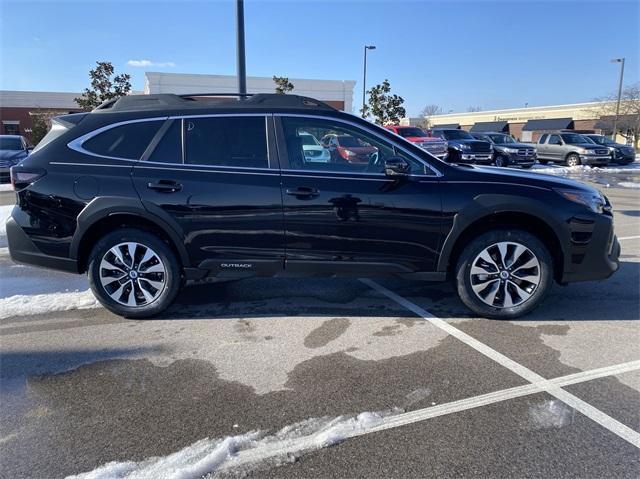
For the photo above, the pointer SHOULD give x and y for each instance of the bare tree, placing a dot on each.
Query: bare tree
(629, 117)
(427, 112)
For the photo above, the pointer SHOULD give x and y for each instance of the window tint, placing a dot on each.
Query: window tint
(169, 149)
(543, 138)
(225, 141)
(344, 148)
(126, 141)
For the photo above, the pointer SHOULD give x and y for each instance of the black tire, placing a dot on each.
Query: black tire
(573, 159)
(543, 162)
(171, 276)
(501, 161)
(489, 240)
(527, 167)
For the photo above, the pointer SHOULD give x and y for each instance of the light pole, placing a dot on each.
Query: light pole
(364, 77)
(242, 69)
(615, 121)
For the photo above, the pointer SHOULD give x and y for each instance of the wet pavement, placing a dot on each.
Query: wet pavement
(81, 388)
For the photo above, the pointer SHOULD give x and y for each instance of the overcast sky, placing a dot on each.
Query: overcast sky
(452, 53)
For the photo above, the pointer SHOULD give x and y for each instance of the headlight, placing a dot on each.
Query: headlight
(595, 202)
(464, 146)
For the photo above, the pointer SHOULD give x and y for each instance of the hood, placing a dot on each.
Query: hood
(514, 145)
(421, 139)
(495, 174)
(12, 155)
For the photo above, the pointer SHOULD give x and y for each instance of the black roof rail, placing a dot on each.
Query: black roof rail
(164, 101)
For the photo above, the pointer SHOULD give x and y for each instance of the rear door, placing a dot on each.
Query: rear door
(217, 179)
(349, 217)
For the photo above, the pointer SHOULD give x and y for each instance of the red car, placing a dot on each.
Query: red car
(436, 146)
(348, 148)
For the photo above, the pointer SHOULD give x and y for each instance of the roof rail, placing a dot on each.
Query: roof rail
(195, 95)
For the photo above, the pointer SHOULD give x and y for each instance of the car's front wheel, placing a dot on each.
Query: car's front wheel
(573, 160)
(501, 161)
(133, 273)
(504, 274)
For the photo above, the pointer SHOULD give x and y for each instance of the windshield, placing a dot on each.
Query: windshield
(457, 135)
(10, 143)
(501, 139)
(574, 139)
(601, 140)
(348, 141)
(407, 132)
(308, 140)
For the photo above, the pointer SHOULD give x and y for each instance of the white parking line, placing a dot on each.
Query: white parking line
(628, 238)
(578, 404)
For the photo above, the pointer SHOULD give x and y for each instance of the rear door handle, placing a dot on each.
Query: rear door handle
(302, 192)
(165, 186)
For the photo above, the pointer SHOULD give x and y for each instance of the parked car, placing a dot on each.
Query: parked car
(571, 149)
(148, 192)
(621, 154)
(314, 152)
(348, 148)
(436, 146)
(13, 149)
(464, 148)
(508, 152)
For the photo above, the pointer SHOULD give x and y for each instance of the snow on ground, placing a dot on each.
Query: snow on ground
(5, 212)
(584, 169)
(6, 187)
(629, 184)
(244, 452)
(27, 304)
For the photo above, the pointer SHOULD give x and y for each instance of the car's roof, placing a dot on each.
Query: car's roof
(18, 137)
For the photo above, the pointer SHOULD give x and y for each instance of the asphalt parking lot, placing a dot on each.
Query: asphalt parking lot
(324, 378)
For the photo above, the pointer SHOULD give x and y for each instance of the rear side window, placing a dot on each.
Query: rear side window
(125, 141)
(169, 149)
(226, 141)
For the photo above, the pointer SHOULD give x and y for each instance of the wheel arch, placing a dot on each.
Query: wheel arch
(103, 215)
(526, 221)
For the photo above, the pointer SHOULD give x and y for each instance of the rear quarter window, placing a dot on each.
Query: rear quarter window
(128, 141)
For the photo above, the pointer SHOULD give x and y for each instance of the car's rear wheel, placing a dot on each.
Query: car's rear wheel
(133, 273)
(573, 159)
(504, 274)
(543, 162)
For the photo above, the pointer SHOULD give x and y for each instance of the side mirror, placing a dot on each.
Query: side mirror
(396, 166)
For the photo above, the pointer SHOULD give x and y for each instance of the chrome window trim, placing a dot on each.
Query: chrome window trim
(287, 172)
(209, 169)
(436, 172)
(77, 143)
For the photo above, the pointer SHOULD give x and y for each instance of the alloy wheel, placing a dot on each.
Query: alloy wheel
(505, 274)
(132, 274)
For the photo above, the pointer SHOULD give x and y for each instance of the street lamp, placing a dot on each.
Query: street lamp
(364, 79)
(615, 122)
(242, 69)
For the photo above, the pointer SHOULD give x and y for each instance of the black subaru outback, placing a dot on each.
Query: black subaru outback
(147, 192)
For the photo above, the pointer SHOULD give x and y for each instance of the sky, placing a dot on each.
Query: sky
(455, 53)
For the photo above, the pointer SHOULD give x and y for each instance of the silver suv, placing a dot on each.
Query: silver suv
(571, 149)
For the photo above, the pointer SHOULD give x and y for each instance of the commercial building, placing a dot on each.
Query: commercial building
(527, 124)
(18, 107)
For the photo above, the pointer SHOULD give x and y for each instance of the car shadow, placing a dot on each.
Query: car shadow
(614, 299)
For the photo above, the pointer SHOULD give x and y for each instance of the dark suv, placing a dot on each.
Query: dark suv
(507, 151)
(147, 192)
(464, 148)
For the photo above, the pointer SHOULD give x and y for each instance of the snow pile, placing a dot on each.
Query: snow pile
(629, 184)
(23, 304)
(242, 451)
(6, 187)
(584, 169)
(5, 212)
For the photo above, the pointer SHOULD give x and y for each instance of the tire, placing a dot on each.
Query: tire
(501, 161)
(155, 280)
(543, 162)
(527, 167)
(573, 160)
(504, 304)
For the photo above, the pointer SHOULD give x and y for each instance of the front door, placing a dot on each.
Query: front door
(344, 215)
(555, 147)
(218, 178)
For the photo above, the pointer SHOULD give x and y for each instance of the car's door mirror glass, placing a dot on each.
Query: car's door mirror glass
(396, 166)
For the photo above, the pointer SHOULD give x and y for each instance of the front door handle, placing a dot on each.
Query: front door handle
(165, 186)
(302, 192)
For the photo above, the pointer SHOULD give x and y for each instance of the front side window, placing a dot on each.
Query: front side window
(543, 138)
(126, 141)
(555, 140)
(345, 148)
(226, 141)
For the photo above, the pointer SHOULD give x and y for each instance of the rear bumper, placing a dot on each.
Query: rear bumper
(22, 250)
(594, 250)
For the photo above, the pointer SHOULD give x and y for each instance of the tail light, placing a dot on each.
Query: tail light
(21, 177)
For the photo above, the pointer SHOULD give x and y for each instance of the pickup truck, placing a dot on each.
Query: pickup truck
(571, 149)
(436, 146)
(464, 148)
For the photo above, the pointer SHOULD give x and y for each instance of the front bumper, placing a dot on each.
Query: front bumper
(519, 160)
(22, 250)
(477, 157)
(595, 160)
(594, 250)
